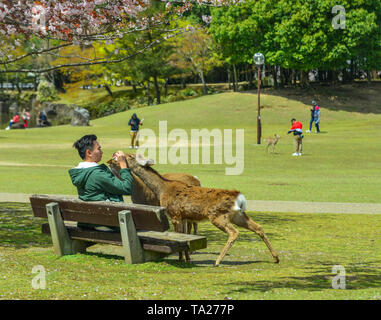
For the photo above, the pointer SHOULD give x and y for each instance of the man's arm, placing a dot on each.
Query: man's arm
(111, 184)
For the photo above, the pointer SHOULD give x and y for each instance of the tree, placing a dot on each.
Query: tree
(83, 22)
(298, 35)
(194, 51)
(46, 92)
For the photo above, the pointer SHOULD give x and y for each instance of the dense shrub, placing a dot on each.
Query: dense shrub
(107, 108)
(46, 92)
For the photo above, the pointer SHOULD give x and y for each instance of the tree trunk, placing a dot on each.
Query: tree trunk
(149, 99)
(202, 77)
(369, 76)
(274, 71)
(235, 80)
(157, 89)
(251, 78)
(304, 81)
(35, 84)
(166, 87)
(229, 79)
(108, 89)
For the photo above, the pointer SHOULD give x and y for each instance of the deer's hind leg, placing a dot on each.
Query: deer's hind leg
(242, 220)
(226, 226)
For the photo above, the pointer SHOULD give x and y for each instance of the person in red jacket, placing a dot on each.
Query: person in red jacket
(14, 120)
(26, 117)
(297, 130)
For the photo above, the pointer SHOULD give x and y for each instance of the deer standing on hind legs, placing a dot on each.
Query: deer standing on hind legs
(223, 208)
(272, 142)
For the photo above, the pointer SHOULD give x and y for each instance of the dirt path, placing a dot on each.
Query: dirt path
(265, 206)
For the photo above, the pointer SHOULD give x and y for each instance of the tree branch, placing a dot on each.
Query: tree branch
(37, 52)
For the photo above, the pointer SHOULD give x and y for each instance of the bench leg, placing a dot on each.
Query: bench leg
(62, 243)
(132, 249)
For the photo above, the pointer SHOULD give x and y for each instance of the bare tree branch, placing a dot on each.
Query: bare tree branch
(93, 61)
(36, 52)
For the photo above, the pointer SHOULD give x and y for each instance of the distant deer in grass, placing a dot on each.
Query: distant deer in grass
(272, 142)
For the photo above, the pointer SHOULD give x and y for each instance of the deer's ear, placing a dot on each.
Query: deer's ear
(143, 161)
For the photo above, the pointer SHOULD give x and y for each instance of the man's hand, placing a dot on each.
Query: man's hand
(121, 158)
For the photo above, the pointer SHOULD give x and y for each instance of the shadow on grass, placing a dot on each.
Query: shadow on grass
(19, 228)
(360, 97)
(356, 278)
(172, 262)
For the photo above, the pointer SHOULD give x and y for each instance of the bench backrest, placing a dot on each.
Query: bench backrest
(104, 213)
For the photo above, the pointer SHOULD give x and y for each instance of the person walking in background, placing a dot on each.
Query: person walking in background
(135, 122)
(312, 120)
(296, 129)
(317, 118)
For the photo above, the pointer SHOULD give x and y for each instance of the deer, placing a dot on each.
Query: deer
(272, 141)
(141, 194)
(223, 208)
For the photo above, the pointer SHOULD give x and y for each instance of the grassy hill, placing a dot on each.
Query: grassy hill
(341, 164)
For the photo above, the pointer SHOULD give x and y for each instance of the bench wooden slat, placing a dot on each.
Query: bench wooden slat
(102, 212)
(188, 241)
(167, 242)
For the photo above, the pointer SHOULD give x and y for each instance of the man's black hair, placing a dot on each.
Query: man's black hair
(85, 143)
(293, 119)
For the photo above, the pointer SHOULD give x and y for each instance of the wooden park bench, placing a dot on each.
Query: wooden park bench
(143, 229)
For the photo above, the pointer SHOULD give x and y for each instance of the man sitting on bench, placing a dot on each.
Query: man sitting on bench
(96, 182)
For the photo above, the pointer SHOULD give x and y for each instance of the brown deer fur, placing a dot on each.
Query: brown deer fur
(185, 202)
(141, 194)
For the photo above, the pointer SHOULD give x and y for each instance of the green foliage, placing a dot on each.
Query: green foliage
(107, 108)
(299, 34)
(46, 92)
(188, 92)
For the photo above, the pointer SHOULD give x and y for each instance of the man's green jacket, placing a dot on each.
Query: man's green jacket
(97, 183)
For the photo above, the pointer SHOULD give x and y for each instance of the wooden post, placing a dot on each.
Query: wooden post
(60, 236)
(132, 249)
(259, 127)
(62, 243)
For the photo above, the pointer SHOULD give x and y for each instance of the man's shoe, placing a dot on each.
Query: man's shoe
(308, 131)
(131, 147)
(299, 154)
(295, 154)
(136, 147)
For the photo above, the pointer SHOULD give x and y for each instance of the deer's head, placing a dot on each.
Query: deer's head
(134, 160)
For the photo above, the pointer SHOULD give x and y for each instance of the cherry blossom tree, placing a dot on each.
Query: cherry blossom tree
(63, 23)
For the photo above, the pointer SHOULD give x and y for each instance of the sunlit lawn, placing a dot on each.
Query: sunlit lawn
(309, 247)
(339, 165)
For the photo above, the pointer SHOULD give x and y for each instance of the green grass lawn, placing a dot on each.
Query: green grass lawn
(339, 165)
(308, 246)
